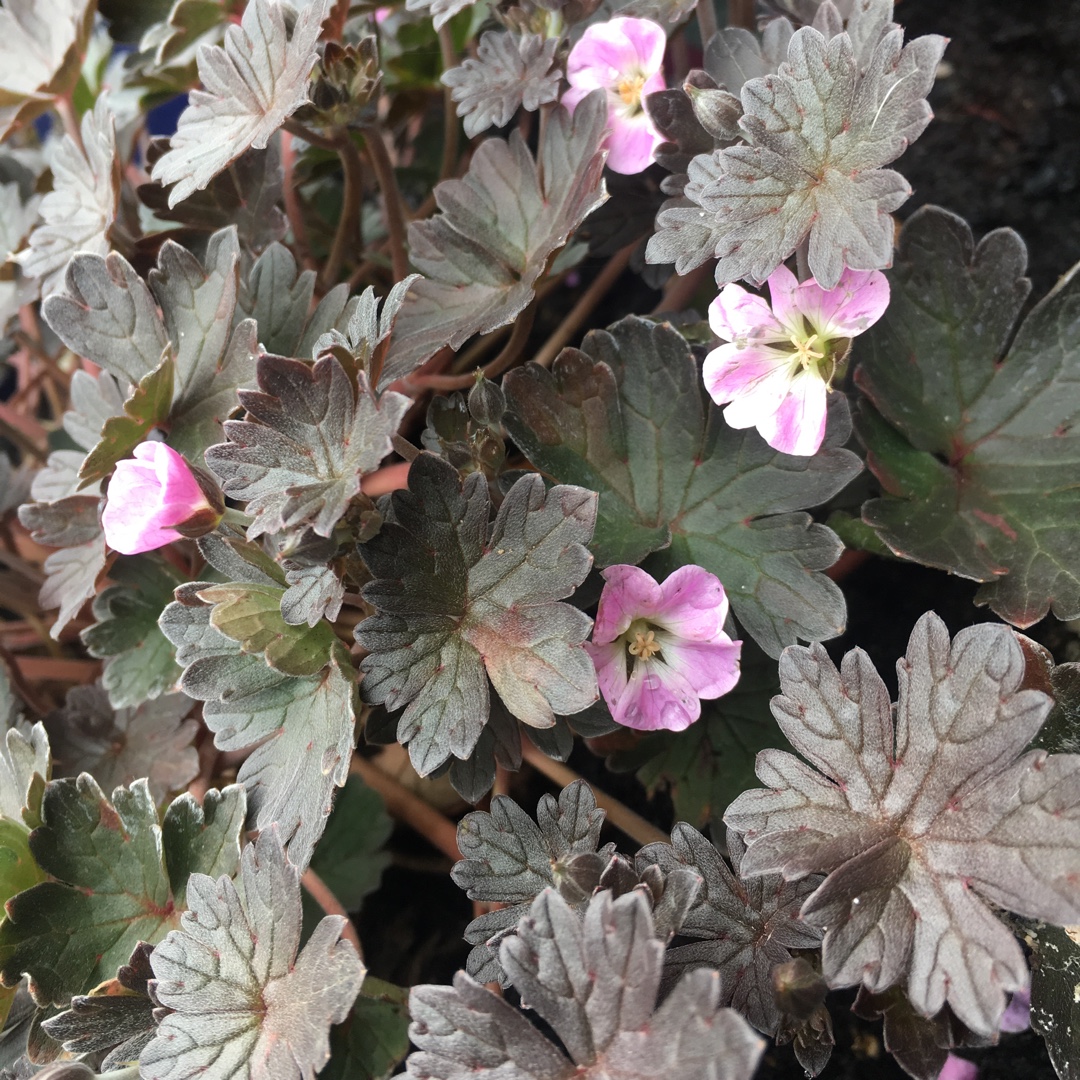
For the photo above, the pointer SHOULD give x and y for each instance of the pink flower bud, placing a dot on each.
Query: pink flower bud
(149, 496)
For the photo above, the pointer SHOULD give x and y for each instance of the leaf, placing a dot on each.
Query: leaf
(111, 890)
(499, 227)
(742, 929)
(71, 580)
(65, 523)
(314, 593)
(818, 133)
(596, 984)
(254, 82)
(919, 818)
(140, 662)
(147, 407)
(508, 859)
(1055, 1011)
(441, 11)
(47, 37)
(152, 740)
(457, 603)
(375, 1038)
(79, 211)
(236, 956)
(301, 728)
(705, 767)
(314, 435)
(509, 71)
(976, 441)
(277, 297)
(628, 417)
(117, 1016)
(110, 316)
(251, 615)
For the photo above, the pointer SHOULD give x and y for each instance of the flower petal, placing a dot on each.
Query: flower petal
(730, 372)
(629, 594)
(958, 1068)
(798, 425)
(743, 317)
(656, 697)
(709, 668)
(631, 142)
(692, 605)
(784, 297)
(610, 661)
(858, 301)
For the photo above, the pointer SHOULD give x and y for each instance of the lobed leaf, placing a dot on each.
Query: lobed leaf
(918, 816)
(629, 418)
(970, 420)
(247, 1000)
(458, 603)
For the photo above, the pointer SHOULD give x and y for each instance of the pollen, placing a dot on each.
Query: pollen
(629, 89)
(804, 351)
(644, 645)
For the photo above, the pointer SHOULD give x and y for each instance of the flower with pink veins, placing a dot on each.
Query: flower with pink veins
(776, 370)
(149, 495)
(623, 57)
(660, 649)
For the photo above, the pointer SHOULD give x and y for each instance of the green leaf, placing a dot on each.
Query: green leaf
(301, 728)
(455, 600)
(140, 662)
(973, 437)
(238, 956)
(255, 81)
(78, 212)
(629, 418)
(705, 767)
(251, 615)
(277, 296)
(313, 436)
(111, 890)
(203, 838)
(1055, 1010)
(499, 228)
(374, 1037)
(152, 740)
(146, 408)
(818, 133)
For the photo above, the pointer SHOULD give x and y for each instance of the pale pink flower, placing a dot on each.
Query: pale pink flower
(776, 371)
(1017, 1016)
(623, 57)
(660, 649)
(958, 1068)
(148, 496)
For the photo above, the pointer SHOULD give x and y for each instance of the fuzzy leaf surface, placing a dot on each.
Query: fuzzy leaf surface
(77, 213)
(499, 227)
(140, 662)
(509, 71)
(509, 859)
(301, 728)
(976, 440)
(254, 82)
(458, 602)
(629, 418)
(312, 439)
(818, 133)
(111, 889)
(248, 1001)
(595, 982)
(743, 928)
(151, 740)
(915, 820)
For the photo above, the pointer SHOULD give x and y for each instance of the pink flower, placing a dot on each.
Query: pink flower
(958, 1068)
(777, 368)
(148, 496)
(660, 649)
(1017, 1017)
(625, 57)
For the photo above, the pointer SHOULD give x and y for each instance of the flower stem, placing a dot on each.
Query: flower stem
(395, 211)
(741, 13)
(348, 230)
(450, 120)
(294, 211)
(321, 893)
(706, 20)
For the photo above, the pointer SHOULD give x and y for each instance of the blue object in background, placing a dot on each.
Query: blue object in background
(162, 119)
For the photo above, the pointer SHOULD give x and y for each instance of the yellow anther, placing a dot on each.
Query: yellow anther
(803, 351)
(644, 645)
(630, 90)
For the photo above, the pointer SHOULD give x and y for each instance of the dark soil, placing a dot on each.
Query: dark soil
(1003, 150)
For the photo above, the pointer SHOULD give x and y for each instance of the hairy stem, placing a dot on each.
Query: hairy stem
(622, 817)
(681, 289)
(348, 230)
(294, 211)
(392, 201)
(706, 20)
(450, 120)
(321, 893)
(571, 325)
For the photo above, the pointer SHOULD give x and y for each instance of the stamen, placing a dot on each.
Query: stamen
(803, 351)
(629, 90)
(644, 645)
